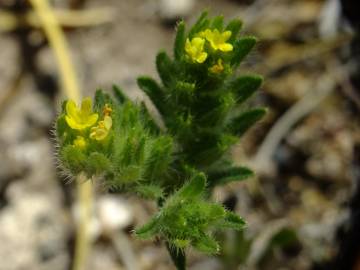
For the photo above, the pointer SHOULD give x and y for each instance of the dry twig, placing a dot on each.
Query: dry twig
(71, 88)
(66, 18)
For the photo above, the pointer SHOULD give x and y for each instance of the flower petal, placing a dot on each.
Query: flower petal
(226, 35)
(72, 123)
(71, 109)
(107, 122)
(92, 119)
(98, 134)
(86, 105)
(202, 57)
(226, 47)
(195, 49)
(198, 43)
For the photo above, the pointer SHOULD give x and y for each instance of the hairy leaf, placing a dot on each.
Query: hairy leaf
(148, 230)
(119, 94)
(194, 187)
(165, 68)
(200, 24)
(179, 41)
(150, 191)
(218, 22)
(100, 100)
(241, 48)
(97, 163)
(242, 123)
(153, 90)
(234, 26)
(243, 87)
(232, 221)
(228, 175)
(73, 159)
(206, 244)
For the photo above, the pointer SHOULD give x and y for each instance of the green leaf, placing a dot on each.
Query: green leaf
(218, 23)
(154, 92)
(148, 230)
(180, 243)
(232, 221)
(61, 127)
(215, 211)
(63, 106)
(179, 40)
(138, 148)
(201, 23)
(194, 187)
(165, 68)
(119, 94)
(100, 100)
(73, 158)
(234, 26)
(210, 148)
(242, 47)
(229, 175)
(148, 119)
(206, 244)
(184, 92)
(150, 191)
(97, 163)
(215, 116)
(128, 174)
(239, 125)
(243, 87)
(159, 158)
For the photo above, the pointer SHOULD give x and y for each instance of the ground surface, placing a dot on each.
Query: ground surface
(295, 205)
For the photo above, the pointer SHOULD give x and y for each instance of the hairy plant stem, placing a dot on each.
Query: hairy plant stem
(177, 256)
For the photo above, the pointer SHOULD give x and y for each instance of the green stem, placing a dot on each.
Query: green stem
(177, 256)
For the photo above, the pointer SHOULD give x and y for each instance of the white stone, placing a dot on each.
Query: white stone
(173, 9)
(113, 212)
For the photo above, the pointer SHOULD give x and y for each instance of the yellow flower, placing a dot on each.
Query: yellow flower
(80, 142)
(217, 68)
(195, 49)
(102, 129)
(80, 118)
(217, 40)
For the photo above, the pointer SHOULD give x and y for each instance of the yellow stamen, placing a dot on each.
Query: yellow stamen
(107, 110)
(218, 67)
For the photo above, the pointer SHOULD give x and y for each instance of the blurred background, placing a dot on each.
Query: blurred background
(303, 208)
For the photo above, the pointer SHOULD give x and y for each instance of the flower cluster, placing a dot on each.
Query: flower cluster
(80, 120)
(209, 43)
(200, 97)
(112, 140)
